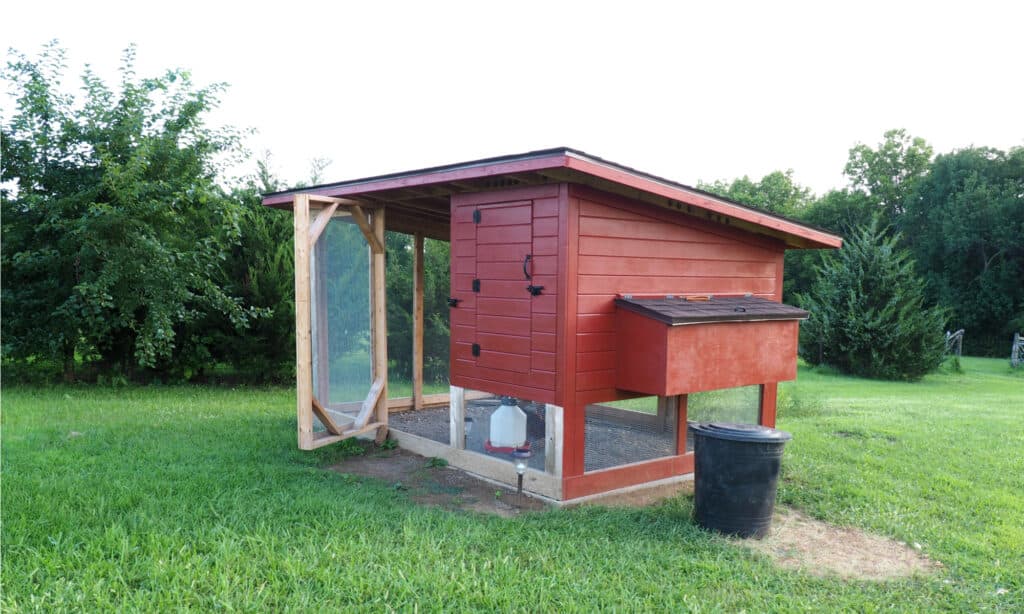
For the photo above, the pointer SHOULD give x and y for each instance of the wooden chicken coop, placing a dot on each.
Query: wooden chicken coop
(608, 306)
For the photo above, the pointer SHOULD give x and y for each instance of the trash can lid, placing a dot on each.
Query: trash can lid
(742, 432)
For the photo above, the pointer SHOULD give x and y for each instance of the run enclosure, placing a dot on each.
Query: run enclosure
(576, 284)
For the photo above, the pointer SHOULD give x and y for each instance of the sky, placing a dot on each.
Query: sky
(686, 90)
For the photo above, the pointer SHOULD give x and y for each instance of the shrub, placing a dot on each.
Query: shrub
(868, 316)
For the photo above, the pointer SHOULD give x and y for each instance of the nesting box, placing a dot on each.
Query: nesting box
(576, 284)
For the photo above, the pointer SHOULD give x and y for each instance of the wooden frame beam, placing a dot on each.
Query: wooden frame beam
(369, 403)
(318, 225)
(379, 317)
(303, 340)
(369, 232)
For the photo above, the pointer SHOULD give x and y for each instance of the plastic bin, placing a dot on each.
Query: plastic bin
(736, 470)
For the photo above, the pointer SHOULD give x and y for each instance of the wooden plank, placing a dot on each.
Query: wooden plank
(505, 214)
(379, 321)
(500, 470)
(519, 363)
(370, 402)
(320, 223)
(303, 340)
(457, 417)
(574, 418)
(769, 398)
(681, 423)
(667, 267)
(553, 425)
(505, 234)
(648, 248)
(626, 475)
(325, 418)
(622, 284)
(417, 321)
(359, 217)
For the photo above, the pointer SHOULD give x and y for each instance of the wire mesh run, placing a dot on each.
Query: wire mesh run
(734, 405)
(435, 424)
(627, 432)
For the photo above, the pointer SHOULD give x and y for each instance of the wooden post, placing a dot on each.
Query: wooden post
(666, 412)
(303, 342)
(768, 401)
(457, 417)
(553, 439)
(682, 426)
(417, 322)
(380, 321)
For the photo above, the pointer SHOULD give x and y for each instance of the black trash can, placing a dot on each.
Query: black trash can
(736, 469)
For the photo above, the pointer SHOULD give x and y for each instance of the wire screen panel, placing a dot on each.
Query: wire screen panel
(625, 432)
(341, 330)
(740, 405)
(436, 324)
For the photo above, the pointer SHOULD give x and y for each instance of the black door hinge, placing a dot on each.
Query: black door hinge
(453, 302)
(476, 216)
(476, 349)
(534, 290)
(476, 285)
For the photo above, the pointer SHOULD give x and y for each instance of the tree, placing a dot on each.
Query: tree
(776, 192)
(868, 314)
(887, 174)
(967, 222)
(115, 227)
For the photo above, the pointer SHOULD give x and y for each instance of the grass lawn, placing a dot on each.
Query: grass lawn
(187, 497)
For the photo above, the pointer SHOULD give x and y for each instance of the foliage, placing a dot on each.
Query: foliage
(115, 228)
(195, 498)
(965, 226)
(775, 192)
(888, 173)
(868, 313)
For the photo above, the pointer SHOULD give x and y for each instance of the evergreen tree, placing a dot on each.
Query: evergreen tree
(868, 316)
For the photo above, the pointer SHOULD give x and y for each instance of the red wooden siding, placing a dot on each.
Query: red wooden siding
(628, 247)
(516, 331)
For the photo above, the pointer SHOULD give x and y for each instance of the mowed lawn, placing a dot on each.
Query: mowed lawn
(163, 498)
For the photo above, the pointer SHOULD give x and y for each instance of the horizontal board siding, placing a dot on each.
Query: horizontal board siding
(673, 267)
(622, 250)
(650, 248)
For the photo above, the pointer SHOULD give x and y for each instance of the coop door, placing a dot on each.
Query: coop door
(503, 275)
(341, 323)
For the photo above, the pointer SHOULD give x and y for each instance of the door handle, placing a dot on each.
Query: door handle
(525, 262)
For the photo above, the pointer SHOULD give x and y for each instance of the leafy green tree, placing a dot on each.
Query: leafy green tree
(775, 192)
(115, 227)
(868, 313)
(888, 173)
(965, 226)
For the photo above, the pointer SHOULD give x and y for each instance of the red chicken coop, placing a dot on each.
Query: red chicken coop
(593, 311)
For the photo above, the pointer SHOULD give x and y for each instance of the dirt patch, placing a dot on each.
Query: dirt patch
(429, 482)
(797, 541)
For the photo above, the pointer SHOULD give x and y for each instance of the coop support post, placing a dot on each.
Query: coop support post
(303, 341)
(682, 426)
(417, 321)
(457, 417)
(769, 393)
(379, 318)
(553, 444)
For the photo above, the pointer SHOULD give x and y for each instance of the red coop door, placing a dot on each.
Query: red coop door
(503, 270)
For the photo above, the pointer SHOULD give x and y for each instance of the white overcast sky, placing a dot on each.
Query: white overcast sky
(687, 90)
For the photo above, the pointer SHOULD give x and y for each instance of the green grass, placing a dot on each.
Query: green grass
(196, 498)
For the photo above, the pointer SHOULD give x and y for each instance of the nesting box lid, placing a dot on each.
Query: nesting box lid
(678, 311)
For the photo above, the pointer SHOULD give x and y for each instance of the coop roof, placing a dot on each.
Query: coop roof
(676, 311)
(418, 200)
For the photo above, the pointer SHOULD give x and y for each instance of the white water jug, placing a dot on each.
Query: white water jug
(508, 425)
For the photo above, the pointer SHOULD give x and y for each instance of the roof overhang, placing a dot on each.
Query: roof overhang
(418, 201)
